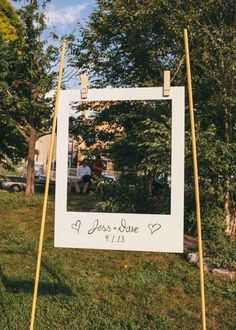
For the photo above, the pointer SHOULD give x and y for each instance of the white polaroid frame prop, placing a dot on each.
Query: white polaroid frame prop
(118, 231)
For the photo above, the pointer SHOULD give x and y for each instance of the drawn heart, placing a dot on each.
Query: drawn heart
(154, 227)
(76, 226)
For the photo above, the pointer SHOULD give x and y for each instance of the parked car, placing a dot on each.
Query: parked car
(6, 183)
(41, 179)
(108, 179)
(38, 169)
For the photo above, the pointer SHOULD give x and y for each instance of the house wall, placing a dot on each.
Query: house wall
(42, 147)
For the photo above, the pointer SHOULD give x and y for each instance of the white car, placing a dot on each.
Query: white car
(13, 186)
(108, 179)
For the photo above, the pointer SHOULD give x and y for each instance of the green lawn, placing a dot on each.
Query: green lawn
(86, 289)
(83, 202)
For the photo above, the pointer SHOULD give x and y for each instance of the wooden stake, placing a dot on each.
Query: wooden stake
(47, 188)
(195, 165)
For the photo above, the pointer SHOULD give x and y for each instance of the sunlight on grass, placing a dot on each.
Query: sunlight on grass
(91, 289)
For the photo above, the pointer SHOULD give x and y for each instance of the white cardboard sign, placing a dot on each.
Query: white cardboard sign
(119, 231)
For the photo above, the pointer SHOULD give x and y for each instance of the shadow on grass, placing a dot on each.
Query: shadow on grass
(82, 203)
(53, 287)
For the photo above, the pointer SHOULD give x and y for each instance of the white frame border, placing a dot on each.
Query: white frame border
(162, 233)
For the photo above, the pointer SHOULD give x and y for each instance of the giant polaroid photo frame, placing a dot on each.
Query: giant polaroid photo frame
(117, 231)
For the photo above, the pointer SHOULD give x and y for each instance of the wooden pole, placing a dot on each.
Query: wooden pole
(195, 165)
(47, 188)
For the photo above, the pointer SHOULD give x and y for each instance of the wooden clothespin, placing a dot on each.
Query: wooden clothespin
(166, 87)
(84, 85)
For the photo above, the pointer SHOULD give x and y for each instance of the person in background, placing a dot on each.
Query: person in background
(98, 167)
(84, 175)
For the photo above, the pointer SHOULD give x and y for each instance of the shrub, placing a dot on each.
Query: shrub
(222, 252)
(130, 195)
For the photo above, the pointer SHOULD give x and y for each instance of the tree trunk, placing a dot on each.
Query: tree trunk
(230, 212)
(229, 203)
(30, 166)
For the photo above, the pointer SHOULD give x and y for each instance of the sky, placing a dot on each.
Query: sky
(63, 15)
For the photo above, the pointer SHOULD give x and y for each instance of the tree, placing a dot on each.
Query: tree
(12, 145)
(131, 43)
(10, 24)
(29, 62)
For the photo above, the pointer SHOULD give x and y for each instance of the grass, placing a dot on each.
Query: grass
(82, 202)
(89, 289)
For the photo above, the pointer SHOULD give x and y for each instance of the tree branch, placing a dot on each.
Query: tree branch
(21, 131)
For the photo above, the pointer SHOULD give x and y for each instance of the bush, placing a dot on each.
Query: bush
(212, 220)
(130, 195)
(222, 253)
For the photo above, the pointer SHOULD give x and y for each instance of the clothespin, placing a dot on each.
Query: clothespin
(166, 87)
(84, 85)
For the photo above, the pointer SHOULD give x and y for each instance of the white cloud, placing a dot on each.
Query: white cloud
(61, 16)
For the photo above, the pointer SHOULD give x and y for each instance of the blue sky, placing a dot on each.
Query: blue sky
(65, 14)
(63, 17)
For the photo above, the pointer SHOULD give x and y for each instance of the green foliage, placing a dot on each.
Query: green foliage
(10, 23)
(12, 145)
(7, 170)
(30, 78)
(137, 135)
(212, 223)
(138, 138)
(130, 195)
(131, 43)
(26, 77)
(222, 254)
(220, 251)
